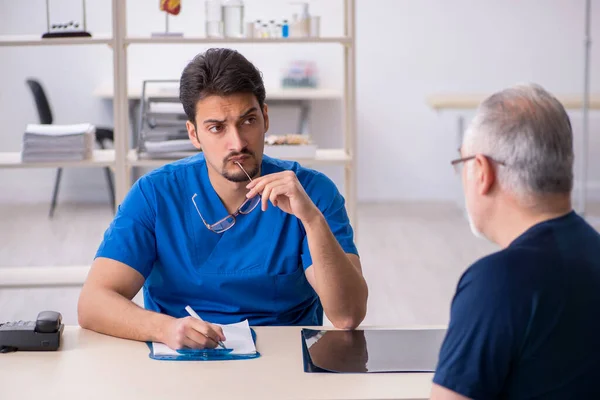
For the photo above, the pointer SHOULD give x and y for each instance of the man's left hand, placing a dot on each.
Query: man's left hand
(284, 191)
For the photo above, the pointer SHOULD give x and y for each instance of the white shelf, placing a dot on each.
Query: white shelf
(323, 157)
(329, 157)
(33, 40)
(204, 40)
(43, 276)
(303, 94)
(100, 158)
(134, 92)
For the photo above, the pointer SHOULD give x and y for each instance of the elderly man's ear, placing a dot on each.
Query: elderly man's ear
(483, 174)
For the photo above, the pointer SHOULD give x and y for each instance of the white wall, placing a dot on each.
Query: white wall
(406, 50)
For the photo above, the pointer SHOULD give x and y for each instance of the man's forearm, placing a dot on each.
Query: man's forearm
(340, 284)
(110, 313)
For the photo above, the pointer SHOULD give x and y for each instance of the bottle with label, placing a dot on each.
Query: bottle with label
(315, 26)
(233, 18)
(265, 31)
(273, 29)
(285, 29)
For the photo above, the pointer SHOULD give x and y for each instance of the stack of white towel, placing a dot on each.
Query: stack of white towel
(43, 143)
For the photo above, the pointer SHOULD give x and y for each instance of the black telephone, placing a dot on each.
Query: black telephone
(43, 334)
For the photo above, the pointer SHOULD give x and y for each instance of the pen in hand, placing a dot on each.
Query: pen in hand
(194, 315)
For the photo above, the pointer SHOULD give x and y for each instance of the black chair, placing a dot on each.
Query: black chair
(102, 135)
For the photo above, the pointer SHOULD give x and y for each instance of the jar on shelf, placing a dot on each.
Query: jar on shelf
(233, 18)
(214, 18)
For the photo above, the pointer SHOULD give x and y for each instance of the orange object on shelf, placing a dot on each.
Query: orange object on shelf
(171, 6)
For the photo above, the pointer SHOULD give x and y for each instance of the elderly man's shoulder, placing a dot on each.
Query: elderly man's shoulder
(512, 268)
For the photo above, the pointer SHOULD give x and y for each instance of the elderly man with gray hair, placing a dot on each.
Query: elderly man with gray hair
(525, 321)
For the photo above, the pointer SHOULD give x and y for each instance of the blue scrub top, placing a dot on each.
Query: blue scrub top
(254, 271)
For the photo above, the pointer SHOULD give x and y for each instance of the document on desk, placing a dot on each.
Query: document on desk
(239, 340)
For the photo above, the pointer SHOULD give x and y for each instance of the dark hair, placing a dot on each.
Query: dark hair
(219, 72)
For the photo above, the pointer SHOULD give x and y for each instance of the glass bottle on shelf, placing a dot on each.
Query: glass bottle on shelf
(214, 19)
(285, 29)
(265, 32)
(233, 18)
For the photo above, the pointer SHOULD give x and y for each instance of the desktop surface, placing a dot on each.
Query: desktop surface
(94, 366)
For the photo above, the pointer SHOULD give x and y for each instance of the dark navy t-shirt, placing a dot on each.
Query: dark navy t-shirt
(525, 321)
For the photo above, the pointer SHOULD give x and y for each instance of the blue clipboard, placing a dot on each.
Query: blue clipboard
(204, 354)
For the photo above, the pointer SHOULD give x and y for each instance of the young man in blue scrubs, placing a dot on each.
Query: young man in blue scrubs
(231, 232)
(525, 321)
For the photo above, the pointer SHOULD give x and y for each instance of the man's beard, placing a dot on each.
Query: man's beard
(239, 175)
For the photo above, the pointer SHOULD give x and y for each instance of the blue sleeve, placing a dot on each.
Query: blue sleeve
(476, 355)
(328, 199)
(130, 238)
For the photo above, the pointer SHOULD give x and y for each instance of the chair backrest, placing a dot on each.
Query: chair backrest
(41, 101)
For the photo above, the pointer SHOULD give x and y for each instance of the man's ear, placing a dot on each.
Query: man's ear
(485, 174)
(193, 135)
(266, 116)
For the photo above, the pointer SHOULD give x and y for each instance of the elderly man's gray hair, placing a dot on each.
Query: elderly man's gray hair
(528, 130)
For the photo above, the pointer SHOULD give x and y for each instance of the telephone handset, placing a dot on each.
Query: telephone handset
(43, 334)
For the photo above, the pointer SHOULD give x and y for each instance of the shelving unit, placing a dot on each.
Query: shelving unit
(126, 158)
(122, 159)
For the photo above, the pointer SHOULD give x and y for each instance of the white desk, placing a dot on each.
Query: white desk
(462, 102)
(92, 366)
(454, 101)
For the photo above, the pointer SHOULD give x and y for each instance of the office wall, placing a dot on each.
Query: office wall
(406, 50)
(415, 48)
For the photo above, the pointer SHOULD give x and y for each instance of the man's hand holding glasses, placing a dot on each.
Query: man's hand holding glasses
(285, 192)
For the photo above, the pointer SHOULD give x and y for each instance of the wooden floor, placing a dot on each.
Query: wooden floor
(412, 256)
